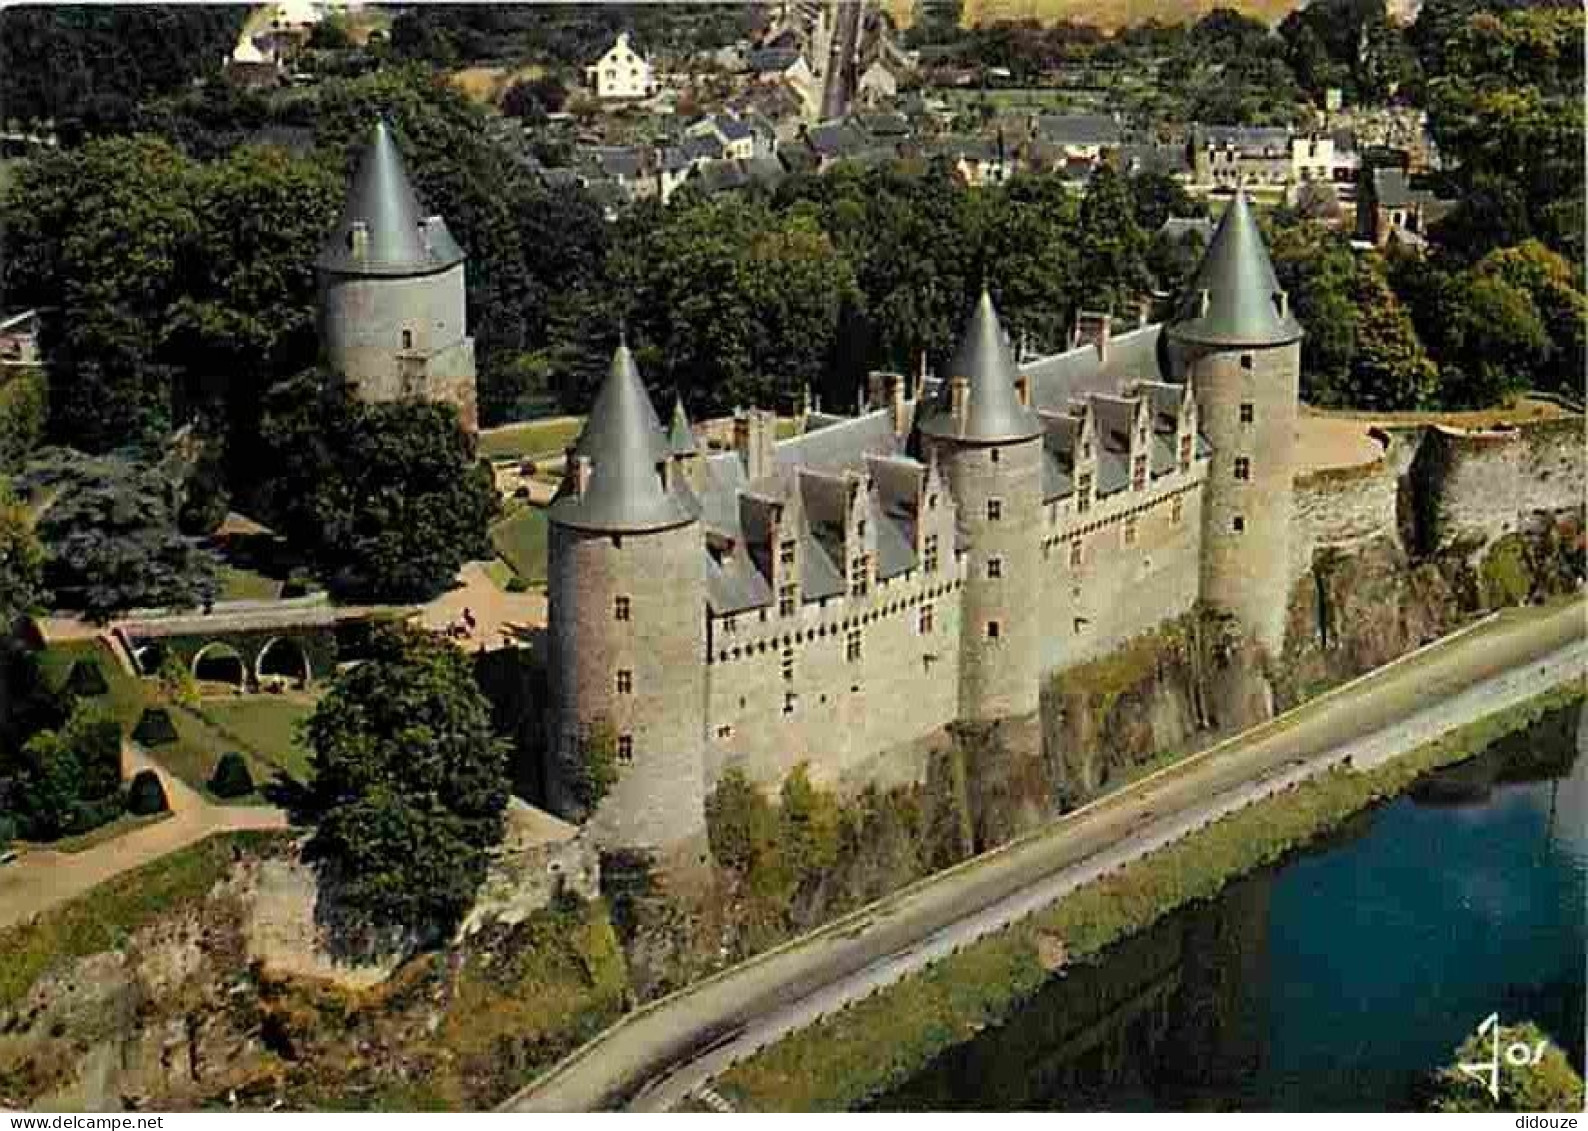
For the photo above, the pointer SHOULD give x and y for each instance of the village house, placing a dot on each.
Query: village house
(621, 74)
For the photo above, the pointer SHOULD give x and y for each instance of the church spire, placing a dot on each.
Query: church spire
(383, 229)
(1234, 299)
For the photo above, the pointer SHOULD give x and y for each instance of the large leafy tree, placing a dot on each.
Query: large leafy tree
(110, 537)
(387, 499)
(409, 782)
(1112, 245)
(21, 560)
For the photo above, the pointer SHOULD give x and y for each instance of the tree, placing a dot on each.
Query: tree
(1552, 283)
(409, 782)
(1159, 196)
(741, 826)
(387, 499)
(1550, 1085)
(95, 741)
(21, 560)
(1112, 245)
(1389, 367)
(111, 541)
(811, 826)
(48, 793)
(1494, 339)
(596, 770)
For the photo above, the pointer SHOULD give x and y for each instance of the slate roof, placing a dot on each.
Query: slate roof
(680, 436)
(1080, 129)
(1245, 138)
(625, 445)
(382, 198)
(1234, 298)
(773, 60)
(992, 410)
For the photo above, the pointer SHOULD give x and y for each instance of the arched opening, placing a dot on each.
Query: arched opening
(283, 661)
(149, 656)
(219, 662)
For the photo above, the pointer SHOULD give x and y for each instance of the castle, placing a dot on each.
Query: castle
(833, 596)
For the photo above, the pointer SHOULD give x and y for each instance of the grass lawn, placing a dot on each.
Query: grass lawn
(267, 726)
(246, 585)
(534, 438)
(521, 540)
(105, 917)
(499, 572)
(93, 837)
(198, 746)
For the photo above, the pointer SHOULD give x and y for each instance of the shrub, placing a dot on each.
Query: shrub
(176, 681)
(1507, 578)
(96, 742)
(8, 831)
(154, 728)
(232, 778)
(88, 815)
(146, 796)
(86, 680)
(516, 584)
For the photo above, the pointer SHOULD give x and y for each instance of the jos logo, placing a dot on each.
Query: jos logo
(1518, 1054)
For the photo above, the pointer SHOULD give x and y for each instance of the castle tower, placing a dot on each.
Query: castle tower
(626, 583)
(1236, 341)
(392, 307)
(988, 444)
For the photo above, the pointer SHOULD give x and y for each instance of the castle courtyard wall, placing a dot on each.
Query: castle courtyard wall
(1341, 507)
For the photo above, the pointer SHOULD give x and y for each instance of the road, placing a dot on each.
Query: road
(838, 81)
(43, 879)
(667, 1050)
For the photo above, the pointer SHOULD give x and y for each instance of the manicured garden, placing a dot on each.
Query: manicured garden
(530, 439)
(520, 539)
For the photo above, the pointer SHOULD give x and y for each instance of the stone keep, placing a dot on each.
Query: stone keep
(989, 446)
(393, 319)
(1235, 340)
(626, 585)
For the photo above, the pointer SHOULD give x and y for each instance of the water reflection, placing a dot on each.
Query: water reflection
(1333, 981)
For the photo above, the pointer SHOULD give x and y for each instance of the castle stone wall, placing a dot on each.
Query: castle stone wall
(1246, 571)
(843, 712)
(998, 673)
(1470, 488)
(659, 796)
(362, 321)
(1340, 507)
(1119, 590)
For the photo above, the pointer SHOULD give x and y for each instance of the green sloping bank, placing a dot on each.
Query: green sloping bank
(882, 1041)
(109, 915)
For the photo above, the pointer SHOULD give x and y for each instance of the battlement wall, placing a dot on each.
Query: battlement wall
(785, 690)
(1339, 507)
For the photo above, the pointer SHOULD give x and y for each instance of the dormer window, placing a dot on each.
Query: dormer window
(408, 339)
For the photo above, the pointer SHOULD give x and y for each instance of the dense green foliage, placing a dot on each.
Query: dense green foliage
(85, 67)
(595, 771)
(23, 414)
(232, 778)
(110, 537)
(387, 499)
(63, 781)
(1550, 1085)
(409, 782)
(21, 560)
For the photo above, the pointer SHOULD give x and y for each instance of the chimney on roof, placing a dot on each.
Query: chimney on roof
(896, 384)
(754, 433)
(958, 396)
(358, 240)
(1093, 327)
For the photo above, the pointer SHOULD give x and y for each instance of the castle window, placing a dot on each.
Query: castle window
(620, 608)
(1130, 531)
(408, 339)
(725, 731)
(730, 625)
(1176, 510)
(1138, 474)
(1075, 553)
(929, 554)
(860, 529)
(617, 541)
(625, 748)
(1239, 524)
(995, 510)
(788, 599)
(1185, 453)
(993, 455)
(995, 568)
(852, 645)
(625, 681)
(785, 553)
(931, 501)
(859, 583)
(788, 665)
(1247, 412)
(1086, 449)
(924, 622)
(994, 630)
(790, 700)
(1247, 361)
(1083, 494)
(1243, 468)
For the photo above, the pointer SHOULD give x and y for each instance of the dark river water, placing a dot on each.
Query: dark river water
(1334, 981)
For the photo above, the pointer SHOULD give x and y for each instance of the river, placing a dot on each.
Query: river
(1333, 981)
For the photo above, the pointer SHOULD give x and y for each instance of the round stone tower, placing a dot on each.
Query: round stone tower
(1236, 341)
(989, 446)
(626, 582)
(393, 319)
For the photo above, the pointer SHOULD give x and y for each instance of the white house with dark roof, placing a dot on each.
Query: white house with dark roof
(622, 73)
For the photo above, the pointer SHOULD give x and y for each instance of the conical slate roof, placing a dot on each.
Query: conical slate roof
(626, 447)
(993, 410)
(383, 199)
(680, 436)
(1234, 298)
